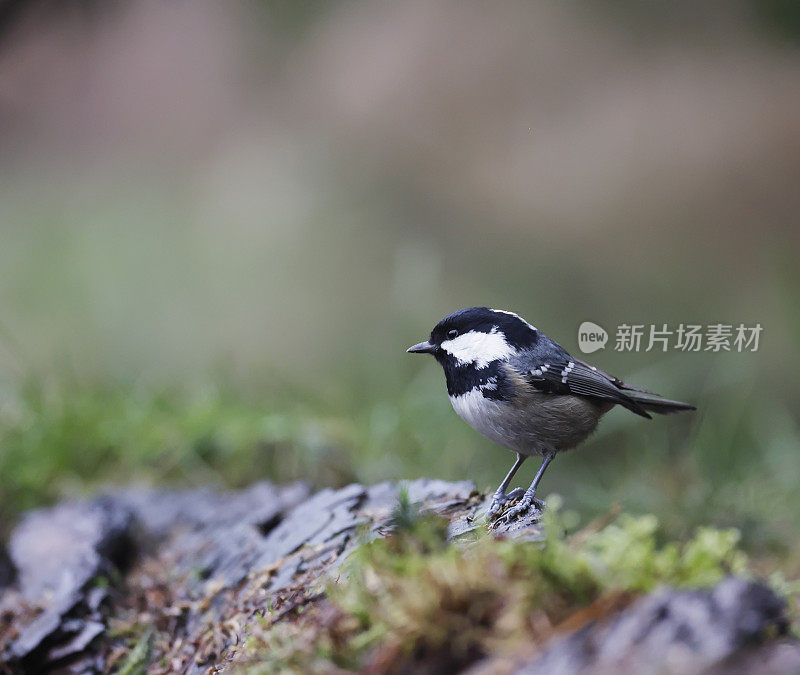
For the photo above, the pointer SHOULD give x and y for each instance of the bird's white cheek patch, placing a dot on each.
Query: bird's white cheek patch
(478, 348)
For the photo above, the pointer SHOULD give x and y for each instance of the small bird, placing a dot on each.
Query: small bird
(516, 386)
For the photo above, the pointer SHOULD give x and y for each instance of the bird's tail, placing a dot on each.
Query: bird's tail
(662, 406)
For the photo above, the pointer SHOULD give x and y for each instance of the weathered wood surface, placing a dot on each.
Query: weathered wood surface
(198, 565)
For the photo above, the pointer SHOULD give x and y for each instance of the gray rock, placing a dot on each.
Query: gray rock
(672, 631)
(34, 635)
(83, 632)
(159, 512)
(219, 535)
(227, 550)
(58, 551)
(443, 493)
(428, 494)
(285, 575)
(319, 518)
(775, 657)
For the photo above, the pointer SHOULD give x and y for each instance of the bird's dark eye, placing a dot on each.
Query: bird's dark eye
(452, 333)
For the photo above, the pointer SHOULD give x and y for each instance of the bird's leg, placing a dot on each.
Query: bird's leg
(530, 494)
(500, 497)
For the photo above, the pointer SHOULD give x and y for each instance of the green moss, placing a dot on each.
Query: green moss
(416, 598)
(625, 555)
(137, 659)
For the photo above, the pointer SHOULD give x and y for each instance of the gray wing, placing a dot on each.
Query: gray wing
(615, 380)
(563, 374)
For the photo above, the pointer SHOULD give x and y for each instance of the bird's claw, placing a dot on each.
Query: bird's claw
(500, 499)
(521, 507)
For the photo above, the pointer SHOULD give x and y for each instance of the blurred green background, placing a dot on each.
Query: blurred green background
(223, 223)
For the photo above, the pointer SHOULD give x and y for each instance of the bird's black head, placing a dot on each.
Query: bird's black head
(477, 336)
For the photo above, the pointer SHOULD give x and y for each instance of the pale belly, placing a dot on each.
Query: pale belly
(543, 424)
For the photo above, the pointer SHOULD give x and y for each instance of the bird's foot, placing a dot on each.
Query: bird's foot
(500, 499)
(522, 506)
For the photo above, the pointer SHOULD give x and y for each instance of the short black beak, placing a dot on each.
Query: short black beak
(422, 348)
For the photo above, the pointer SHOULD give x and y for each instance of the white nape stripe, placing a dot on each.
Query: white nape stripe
(504, 311)
(478, 348)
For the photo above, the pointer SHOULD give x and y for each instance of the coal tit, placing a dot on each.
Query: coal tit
(516, 386)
